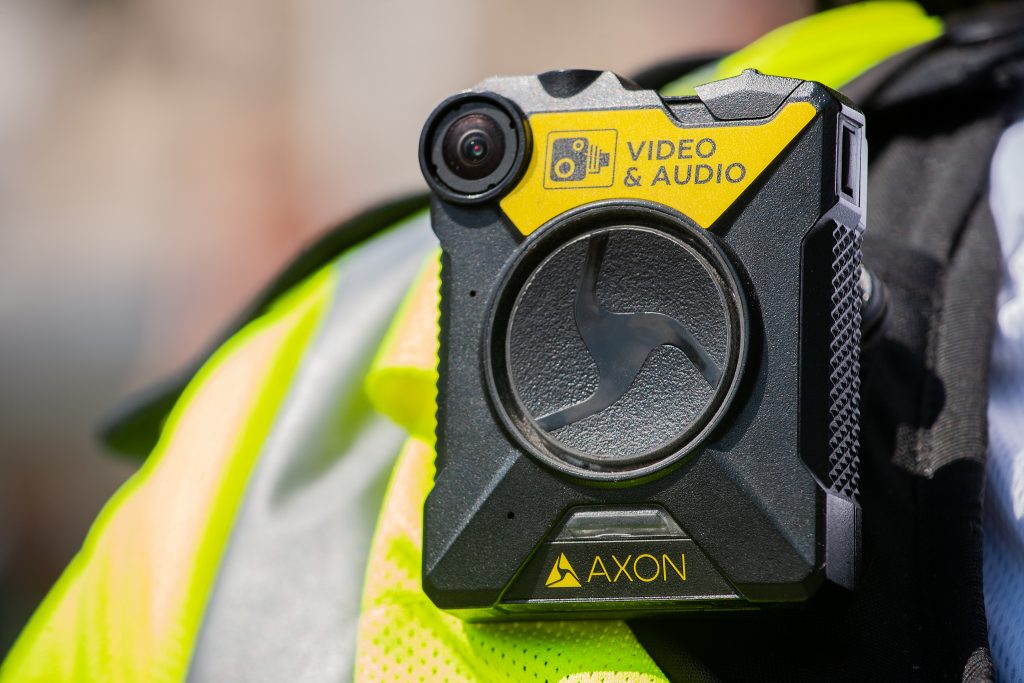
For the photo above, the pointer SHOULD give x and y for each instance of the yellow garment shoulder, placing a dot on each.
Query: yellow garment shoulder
(129, 606)
(832, 47)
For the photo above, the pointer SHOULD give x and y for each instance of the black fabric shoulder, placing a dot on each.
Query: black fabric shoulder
(657, 76)
(134, 427)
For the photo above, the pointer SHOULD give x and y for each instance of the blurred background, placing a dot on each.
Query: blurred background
(159, 161)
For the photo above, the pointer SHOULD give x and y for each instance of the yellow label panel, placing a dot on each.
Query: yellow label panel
(588, 156)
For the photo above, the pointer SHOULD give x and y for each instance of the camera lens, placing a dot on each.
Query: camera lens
(473, 146)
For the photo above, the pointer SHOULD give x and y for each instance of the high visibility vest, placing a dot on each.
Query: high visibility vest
(244, 547)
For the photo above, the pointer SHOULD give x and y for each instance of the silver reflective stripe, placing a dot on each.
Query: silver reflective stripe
(285, 604)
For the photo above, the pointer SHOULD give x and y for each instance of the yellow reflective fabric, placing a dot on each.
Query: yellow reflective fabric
(129, 605)
(832, 47)
(402, 636)
(402, 382)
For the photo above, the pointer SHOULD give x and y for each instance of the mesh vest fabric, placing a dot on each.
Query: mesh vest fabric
(402, 635)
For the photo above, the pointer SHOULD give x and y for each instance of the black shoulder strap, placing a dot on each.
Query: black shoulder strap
(934, 117)
(659, 75)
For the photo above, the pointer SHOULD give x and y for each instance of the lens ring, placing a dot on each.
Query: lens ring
(466, 173)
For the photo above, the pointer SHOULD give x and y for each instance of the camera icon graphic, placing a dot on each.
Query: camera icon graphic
(575, 158)
(581, 159)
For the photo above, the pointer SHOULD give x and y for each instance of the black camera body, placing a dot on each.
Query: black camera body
(648, 393)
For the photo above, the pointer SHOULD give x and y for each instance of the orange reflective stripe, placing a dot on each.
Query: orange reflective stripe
(129, 605)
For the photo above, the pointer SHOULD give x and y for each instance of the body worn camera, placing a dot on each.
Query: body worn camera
(648, 394)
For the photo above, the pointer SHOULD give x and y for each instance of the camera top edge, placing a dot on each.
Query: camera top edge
(477, 145)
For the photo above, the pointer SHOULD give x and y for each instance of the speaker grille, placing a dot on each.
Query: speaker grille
(844, 378)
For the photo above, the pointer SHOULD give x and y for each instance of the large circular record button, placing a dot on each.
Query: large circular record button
(616, 340)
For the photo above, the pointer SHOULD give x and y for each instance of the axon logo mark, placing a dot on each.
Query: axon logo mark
(582, 158)
(620, 344)
(625, 568)
(562, 575)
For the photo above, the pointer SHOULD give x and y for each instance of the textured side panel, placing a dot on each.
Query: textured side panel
(844, 379)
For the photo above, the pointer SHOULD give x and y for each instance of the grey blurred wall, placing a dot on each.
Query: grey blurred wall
(159, 160)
